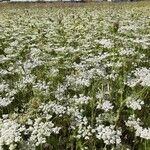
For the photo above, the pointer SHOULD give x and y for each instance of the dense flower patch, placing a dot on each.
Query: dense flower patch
(75, 79)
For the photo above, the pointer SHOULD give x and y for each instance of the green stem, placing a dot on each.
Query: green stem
(145, 145)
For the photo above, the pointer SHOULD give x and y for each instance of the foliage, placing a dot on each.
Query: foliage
(75, 78)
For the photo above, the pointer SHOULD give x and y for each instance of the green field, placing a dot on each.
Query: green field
(75, 76)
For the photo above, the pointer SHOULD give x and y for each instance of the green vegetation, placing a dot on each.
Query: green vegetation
(75, 76)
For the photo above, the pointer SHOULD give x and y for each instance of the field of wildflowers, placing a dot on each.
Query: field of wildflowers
(75, 78)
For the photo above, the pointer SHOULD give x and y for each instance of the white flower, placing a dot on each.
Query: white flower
(81, 99)
(133, 122)
(40, 130)
(139, 131)
(51, 108)
(142, 77)
(99, 95)
(42, 86)
(106, 105)
(134, 104)
(143, 132)
(106, 43)
(10, 133)
(127, 52)
(7, 94)
(108, 134)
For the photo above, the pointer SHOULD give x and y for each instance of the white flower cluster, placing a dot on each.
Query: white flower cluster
(127, 52)
(133, 122)
(83, 79)
(135, 104)
(105, 105)
(84, 132)
(10, 133)
(108, 134)
(59, 93)
(80, 100)
(41, 86)
(106, 43)
(139, 130)
(89, 68)
(52, 107)
(27, 79)
(7, 94)
(143, 133)
(142, 77)
(40, 129)
(83, 129)
(30, 64)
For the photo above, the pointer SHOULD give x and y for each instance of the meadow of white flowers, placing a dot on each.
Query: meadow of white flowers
(75, 78)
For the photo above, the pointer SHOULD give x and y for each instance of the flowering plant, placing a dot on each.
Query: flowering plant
(75, 79)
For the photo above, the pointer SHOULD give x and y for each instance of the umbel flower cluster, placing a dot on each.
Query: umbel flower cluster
(75, 79)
